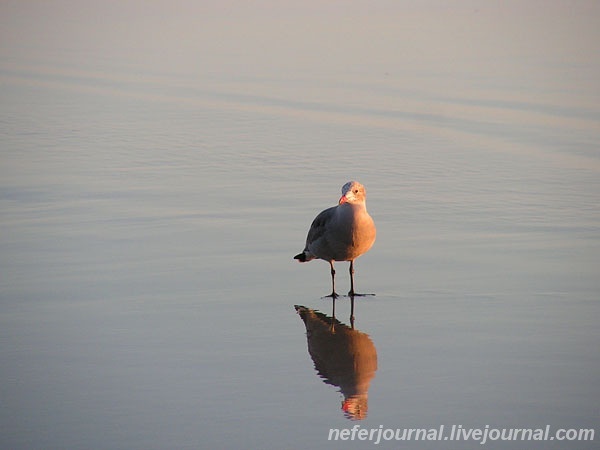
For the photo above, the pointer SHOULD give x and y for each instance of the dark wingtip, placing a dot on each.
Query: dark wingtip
(300, 257)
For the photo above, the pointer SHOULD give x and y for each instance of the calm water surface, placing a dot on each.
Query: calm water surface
(159, 171)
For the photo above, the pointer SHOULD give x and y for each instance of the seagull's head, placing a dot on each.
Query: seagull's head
(353, 192)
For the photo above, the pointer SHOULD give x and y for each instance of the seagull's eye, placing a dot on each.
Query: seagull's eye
(356, 191)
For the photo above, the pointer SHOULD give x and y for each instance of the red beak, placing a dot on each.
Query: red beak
(343, 199)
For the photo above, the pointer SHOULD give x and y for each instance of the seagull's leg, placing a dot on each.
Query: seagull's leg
(352, 293)
(333, 293)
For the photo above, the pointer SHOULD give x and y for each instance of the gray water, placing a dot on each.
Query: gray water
(161, 164)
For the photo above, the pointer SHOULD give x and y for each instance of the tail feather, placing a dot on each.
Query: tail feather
(301, 257)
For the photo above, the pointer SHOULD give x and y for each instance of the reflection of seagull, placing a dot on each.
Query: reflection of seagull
(341, 233)
(343, 357)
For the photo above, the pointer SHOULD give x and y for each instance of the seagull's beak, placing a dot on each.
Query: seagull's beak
(343, 199)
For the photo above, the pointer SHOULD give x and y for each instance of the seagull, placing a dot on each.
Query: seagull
(341, 233)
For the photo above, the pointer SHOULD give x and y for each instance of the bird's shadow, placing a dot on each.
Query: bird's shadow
(342, 356)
